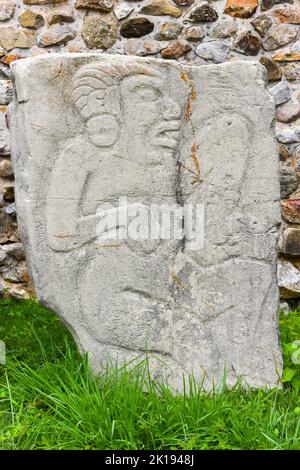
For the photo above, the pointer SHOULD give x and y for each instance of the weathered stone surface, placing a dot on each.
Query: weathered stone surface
(14, 249)
(161, 7)
(288, 181)
(3, 256)
(31, 19)
(4, 135)
(262, 23)
(274, 71)
(288, 54)
(283, 152)
(203, 13)
(240, 8)
(290, 210)
(183, 3)
(176, 49)
(9, 191)
(215, 51)
(113, 125)
(136, 27)
(41, 2)
(9, 58)
(17, 291)
(6, 92)
(280, 92)
(13, 271)
(296, 157)
(288, 280)
(7, 8)
(8, 234)
(143, 48)
(123, 10)
(100, 5)
(267, 4)
(289, 242)
(280, 36)
(5, 168)
(288, 112)
(55, 36)
(287, 13)
(61, 15)
(10, 209)
(224, 28)
(169, 30)
(194, 33)
(291, 71)
(11, 37)
(247, 43)
(99, 33)
(288, 135)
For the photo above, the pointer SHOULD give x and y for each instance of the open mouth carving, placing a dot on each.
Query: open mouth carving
(166, 134)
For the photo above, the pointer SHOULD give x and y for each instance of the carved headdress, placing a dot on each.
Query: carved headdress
(96, 86)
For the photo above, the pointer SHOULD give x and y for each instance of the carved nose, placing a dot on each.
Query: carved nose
(171, 110)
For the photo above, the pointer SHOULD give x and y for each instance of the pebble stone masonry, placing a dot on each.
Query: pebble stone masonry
(88, 129)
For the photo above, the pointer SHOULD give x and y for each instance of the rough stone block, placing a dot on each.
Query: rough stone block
(91, 128)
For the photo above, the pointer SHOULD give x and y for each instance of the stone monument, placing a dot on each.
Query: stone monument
(148, 201)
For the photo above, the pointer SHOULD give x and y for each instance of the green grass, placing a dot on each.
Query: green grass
(50, 400)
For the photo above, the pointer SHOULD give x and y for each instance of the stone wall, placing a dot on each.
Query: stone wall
(190, 31)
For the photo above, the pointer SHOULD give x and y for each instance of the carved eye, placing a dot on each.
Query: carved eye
(147, 93)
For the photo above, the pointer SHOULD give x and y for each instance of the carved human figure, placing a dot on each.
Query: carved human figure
(131, 125)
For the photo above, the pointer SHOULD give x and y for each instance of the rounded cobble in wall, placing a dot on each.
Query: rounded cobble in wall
(262, 24)
(99, 32)
(214, 51)
(288, 112)
(143, 48)
(161, 7)
(224, 28)
(169, 30)
(288, 180)
(274, 71)
(100, 5)
(247, 43)
(287, 13)
(267, 4)
(136, 27)
(280, 36)
(55, 36)
(41, 2)
(7, 8)
(61, 15)
(5, 168)
(194, 33)
(31, 19)
(183, 3)
(240, 8)
(203, 13)
(291, 71)
(176, 49)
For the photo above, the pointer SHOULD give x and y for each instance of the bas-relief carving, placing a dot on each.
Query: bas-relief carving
(113, 148)
(148, 136)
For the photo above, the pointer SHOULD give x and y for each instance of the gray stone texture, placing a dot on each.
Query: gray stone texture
(237, 30)
(155, 131)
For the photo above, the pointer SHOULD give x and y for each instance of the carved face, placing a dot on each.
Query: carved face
(129, 110)
(152, 117)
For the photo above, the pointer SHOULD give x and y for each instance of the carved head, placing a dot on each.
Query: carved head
(128, 105)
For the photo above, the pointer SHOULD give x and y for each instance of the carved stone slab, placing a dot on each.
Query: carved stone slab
(88, 130)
